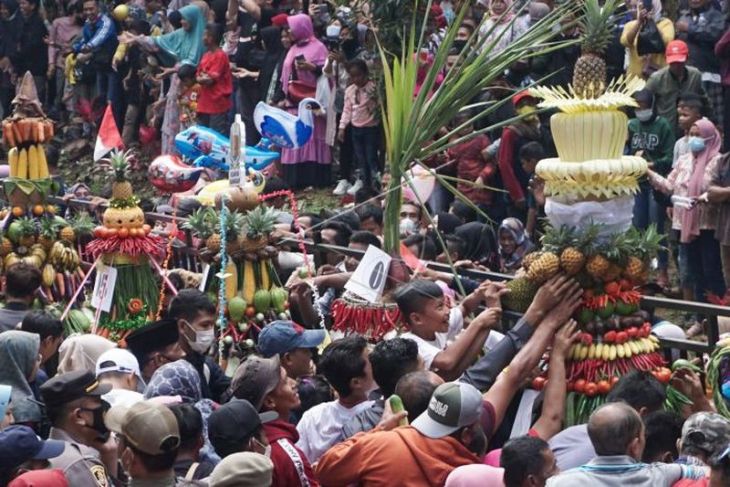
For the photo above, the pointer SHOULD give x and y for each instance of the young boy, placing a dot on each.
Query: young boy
(689, 110)
(214, 76)
(188, 96)
(434, 324)
(530, 154)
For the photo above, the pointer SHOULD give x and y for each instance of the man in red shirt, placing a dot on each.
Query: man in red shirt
(214, 76)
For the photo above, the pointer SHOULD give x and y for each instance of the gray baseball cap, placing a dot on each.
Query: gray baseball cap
(453, 406)
(710, 432)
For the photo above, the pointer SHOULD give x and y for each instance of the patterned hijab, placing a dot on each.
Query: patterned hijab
(177, 378)
(512, 262)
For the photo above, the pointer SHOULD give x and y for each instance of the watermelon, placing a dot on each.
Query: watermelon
(237, 308)
(262, 300)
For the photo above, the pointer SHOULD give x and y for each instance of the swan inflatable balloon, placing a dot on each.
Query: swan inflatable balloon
(168, 174)
(284, 129)
(209, 149)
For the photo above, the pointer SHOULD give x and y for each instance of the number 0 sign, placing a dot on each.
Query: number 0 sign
(368, 280)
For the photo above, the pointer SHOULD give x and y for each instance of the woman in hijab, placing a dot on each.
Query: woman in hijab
(180, 378)
(270, 73)
(480, 243)
(514, 244)
(19, 362)
(79, 352)
(499, 30)
(700, 266)
(181, 46)
(310, 164)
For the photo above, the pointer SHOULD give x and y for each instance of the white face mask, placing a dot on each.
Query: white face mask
(644, 115)
(203, 339)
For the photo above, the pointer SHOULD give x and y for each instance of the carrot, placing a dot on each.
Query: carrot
(9, 134)
(34, 135)
(17, 132)
(49, 130)
(61, 284)
(39, 127)
(26, 128)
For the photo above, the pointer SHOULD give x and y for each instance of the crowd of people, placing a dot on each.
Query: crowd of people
(445, 403)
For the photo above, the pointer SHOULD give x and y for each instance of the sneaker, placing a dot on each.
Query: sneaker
(355, 187)
(342, 186)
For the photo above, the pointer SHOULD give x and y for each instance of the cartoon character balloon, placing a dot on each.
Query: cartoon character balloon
(168, 174)
(209, 149)
(283, 128)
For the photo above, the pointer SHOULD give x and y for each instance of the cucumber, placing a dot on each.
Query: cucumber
(396, 405)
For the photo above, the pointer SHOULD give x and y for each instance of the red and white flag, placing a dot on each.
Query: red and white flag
(108, 137)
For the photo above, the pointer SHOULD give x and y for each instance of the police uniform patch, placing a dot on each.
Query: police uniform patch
(99, 473)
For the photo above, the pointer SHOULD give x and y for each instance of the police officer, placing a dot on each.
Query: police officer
(76, 412)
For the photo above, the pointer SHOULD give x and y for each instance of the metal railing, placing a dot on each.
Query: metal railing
(185, 256)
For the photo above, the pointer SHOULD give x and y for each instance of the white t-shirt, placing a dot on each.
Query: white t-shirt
(320, 427)
(428, 349)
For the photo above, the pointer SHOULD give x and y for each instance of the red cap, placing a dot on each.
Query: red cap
(280, 20)
(677, 52)
(518, 97)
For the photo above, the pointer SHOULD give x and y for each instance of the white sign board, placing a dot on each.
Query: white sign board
(368, 280)
(106, 279)
(204, 279)
(237, 153)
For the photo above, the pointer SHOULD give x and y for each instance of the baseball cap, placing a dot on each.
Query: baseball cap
(70, 386)
(117, 360)
(677, 52)
(236, 421)
(35, 478)
(18, 444)
(285, 336)
(522, 95)
(453, 405)
(148, 427)
(255, 378)
(242, 470)
(710, 432)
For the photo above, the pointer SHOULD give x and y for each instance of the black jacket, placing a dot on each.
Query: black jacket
(32, 52)
(213, 381)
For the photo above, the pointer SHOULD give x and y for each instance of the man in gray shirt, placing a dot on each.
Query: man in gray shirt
(21, 283)
(617, 434)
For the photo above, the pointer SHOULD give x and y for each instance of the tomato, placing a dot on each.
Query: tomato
(622, 337)
(111, 232)
(609, 336)
(664, 375)
(614, 379)
(123, 232)
(250, 312)
(538, 383)
(580, 385)
(612, 288)
(136, 232)
(591, 389)
(586, 339)
(604, 387)
(99, 232)
(146, 228)
(632, 332)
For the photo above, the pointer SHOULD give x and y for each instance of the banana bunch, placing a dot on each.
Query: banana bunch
(613, 351)
(587, 136)
(28, 163)
(36, 256)
(63, 257)
(48, 275)
(602, 178)
(27, 130)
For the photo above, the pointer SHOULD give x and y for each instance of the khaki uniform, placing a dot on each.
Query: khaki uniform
(80, 464)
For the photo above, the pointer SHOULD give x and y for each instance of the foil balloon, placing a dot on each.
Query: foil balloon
(206, 196)
(285, 129)
(168, 174)
(209, 149)
(422, 184)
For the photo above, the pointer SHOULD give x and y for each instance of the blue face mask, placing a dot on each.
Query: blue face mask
(696, 144)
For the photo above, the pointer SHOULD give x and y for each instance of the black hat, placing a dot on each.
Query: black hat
(151, 338)
(70, 386)
(236, 422)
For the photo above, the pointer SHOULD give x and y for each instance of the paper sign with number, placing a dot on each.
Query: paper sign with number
(106, 279)
(204, 279)
(237, 153)
(368, 280)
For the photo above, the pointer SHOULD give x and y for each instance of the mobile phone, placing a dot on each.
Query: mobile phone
(300, 58)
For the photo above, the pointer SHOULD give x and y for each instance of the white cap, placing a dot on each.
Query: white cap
(117, 360)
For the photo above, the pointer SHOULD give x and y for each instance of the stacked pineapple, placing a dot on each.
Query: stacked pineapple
(251, 295)
(590, 190)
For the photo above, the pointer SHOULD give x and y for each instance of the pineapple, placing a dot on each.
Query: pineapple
(634, 269)
(589, 74)
(258, 223)
(566, 243)
(597, 266)
(529, 259)
(27, 231)
(121, 188)
(234, 226)
(202, 225)
(81, 226)
(48, 232)
(643, 248)
(213, 243)
(544, 267)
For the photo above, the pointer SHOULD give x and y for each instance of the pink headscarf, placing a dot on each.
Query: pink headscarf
(305, 44)
(713, 143)
(475, 476)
